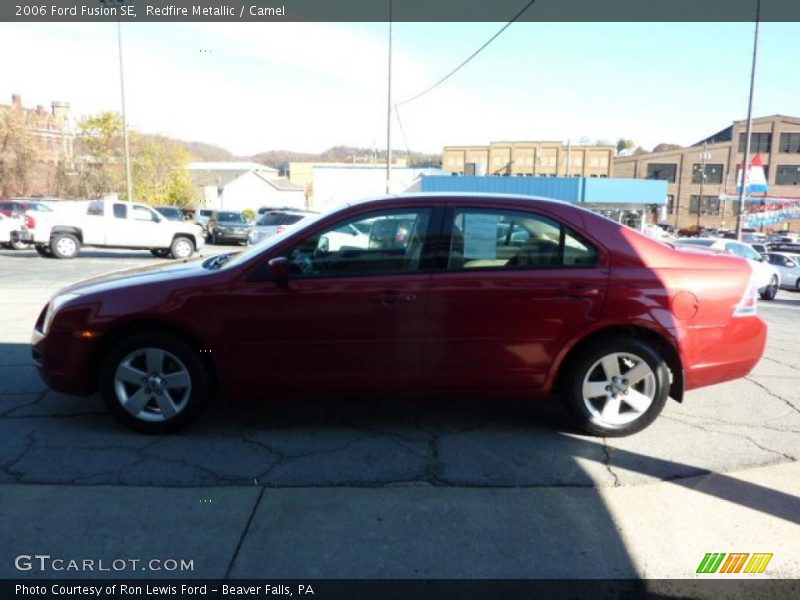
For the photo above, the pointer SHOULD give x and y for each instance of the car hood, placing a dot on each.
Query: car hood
(138, 276)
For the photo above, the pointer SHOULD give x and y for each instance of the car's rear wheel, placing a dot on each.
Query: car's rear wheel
(182, 247)
(771, 290)
(154, 382)
(615, 387)
(64, 245)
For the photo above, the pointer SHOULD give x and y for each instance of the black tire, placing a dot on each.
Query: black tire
(797, 285)
(159, 252)
(583, 367)
(43, 250)
(178, 248)
(771, 290)
(64, 245)
(151, 419)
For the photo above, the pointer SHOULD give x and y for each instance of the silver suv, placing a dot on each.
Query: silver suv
(272, 221)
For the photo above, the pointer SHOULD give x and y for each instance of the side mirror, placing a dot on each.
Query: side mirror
(279, 269)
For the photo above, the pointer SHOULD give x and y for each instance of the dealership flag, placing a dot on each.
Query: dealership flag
(756, 180)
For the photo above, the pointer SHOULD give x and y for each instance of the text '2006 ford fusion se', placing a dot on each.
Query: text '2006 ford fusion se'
(444, 295)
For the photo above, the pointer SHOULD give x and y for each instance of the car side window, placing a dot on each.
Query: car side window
(393, 243)
(120, 211)
(498, 239)
(142, 213)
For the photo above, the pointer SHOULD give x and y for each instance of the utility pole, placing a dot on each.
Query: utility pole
(128, 178)
(389, 111)
(746, 161)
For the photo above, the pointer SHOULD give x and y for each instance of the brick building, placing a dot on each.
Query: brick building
(53, 132)
(529, 159)
(702, 177)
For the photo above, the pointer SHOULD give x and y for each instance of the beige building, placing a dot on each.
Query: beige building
(529, 159)
(702, 177)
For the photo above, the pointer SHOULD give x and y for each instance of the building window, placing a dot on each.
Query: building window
(790, 142)
(670, 203)
(664, 171)
(787, 175)
(713, 173)
(705, 205)
(759, 142)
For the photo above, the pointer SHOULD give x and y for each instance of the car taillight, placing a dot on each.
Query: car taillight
(30, 222)
(748, 305)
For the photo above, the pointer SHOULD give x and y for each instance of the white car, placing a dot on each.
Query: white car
(10, 229)
(788, 266)
(346, 236)
(766, 275)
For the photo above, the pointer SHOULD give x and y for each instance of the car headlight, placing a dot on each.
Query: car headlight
(53, 307)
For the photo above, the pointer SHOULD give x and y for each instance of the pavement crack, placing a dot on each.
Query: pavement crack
(607, 462)
(773, 394)
(788, 457)
(244, 533)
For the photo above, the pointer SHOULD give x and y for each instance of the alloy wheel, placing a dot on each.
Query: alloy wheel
(152, 384)
(618, 389)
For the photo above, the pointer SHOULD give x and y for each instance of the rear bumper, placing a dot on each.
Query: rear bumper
(63, 362)
(717, 354)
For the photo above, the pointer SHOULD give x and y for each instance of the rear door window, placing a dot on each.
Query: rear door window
(498, 239)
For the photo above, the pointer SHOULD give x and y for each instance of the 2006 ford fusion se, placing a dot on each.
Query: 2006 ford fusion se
(496, 296)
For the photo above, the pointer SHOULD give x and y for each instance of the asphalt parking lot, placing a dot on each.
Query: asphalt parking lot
(362, 486)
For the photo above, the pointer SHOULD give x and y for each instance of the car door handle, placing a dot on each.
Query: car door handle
(390, 298)
(581, 291)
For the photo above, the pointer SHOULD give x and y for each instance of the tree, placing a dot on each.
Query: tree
(18, 151)
(159, 171)
(639, 150)
(100, 164)
(158, 164)
(624, 145)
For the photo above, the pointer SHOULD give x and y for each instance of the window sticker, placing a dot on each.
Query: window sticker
(480, 236)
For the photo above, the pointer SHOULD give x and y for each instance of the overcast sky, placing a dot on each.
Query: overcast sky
(251, 87)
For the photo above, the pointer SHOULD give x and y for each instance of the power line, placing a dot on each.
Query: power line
(471, 56)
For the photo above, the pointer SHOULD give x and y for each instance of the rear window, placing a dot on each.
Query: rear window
(272, 219)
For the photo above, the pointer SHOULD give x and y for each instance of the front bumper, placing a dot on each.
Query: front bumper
(63, 362)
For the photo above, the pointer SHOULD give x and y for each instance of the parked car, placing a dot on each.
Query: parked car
(110, 224)
(609, 318)
(760, 248)
(228, 226)
(11, 229)
(272, 221)
(19, 206)
(171, 213)
(202, 216)
(788, 265)
(766, 275)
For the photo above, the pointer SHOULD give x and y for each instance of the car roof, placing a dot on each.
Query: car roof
(434, 197)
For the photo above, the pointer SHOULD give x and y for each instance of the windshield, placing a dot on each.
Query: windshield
(231, 217)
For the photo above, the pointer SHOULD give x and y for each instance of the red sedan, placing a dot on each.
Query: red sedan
(495, 296)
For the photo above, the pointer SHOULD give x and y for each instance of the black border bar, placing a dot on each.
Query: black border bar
(711, 587)
(402, 10)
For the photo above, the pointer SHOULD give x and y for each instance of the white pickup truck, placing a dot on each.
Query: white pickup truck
(109, 224)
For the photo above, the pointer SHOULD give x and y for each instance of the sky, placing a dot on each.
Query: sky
(252, 87)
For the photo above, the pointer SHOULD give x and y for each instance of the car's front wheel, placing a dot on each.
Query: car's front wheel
(154, 382)
(771, 290)
(615, 387)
